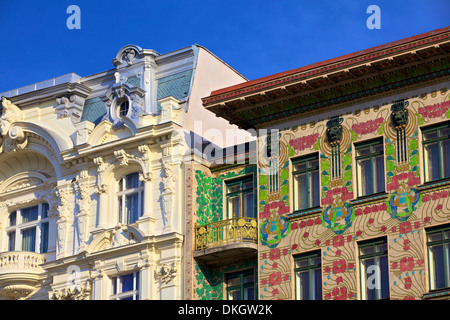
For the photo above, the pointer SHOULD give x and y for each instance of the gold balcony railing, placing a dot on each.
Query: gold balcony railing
(225, 232)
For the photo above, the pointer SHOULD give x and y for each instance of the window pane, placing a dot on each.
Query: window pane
(301, 263)
(301, 166)
(437, 267)
(447, 234)
(121, 219)
(366, 250)
(314, 189)
(234, 206)
(365, 178)
(248, 185)
(315, 261)
(435, 236)
(445, 158)
(44, 237)
(377, 148)
(30, 214)
(29, 239)
(249, 293)
(431, 162)
(430, 135)
(233, 188)
(234, 281)
(444, 132)
(248, 279)
(126, 298)
(132, 207)
(313, 163)
(384, 269)
(12, 241)
(234, 294)
(317, 292)
(382, 247)
(45, 208)
(12, 218)
(127, 282)
(300, 192)
(378, 172)
(369, 278)
(363, 151)
(114, 283)
(303, 285)
(248, 205)
(132, 181)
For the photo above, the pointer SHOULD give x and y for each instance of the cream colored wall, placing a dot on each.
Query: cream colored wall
(210, 74)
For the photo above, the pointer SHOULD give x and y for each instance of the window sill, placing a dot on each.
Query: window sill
(305, 212)
(437, 294)
(434, 184)
(370, 198)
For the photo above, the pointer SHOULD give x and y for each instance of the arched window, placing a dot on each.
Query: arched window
(130, 198)
(28, 229)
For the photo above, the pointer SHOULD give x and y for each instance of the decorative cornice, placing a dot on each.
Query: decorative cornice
(336, 82)
(344, 62)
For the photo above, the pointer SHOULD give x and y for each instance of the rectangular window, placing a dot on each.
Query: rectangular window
(370, 167)
(130, 198)
(438, 243)
(241, 285)
(240, 198)
(436, 152)
(28, 229)
(125, 287)
(308, 276)
(373, 260)
(306, 182)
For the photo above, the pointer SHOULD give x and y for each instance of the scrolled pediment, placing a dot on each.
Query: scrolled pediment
(119, 236)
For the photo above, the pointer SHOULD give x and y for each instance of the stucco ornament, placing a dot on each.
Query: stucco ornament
(12, 137)
(334, 131)
(166, 272)
(120, 236)
(79, 292)
(167, 195)
(399, 115)
(129, 56)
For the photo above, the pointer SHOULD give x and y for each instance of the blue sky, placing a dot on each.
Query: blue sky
(257, 38)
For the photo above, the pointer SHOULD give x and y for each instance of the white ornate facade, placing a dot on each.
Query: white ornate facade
(91, 176)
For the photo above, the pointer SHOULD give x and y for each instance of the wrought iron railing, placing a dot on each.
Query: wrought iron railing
(225, 232)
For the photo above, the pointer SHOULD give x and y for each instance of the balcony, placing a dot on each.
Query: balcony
(226, 241)
(20, 272)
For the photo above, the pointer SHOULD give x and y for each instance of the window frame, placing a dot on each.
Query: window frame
(310, 268)
(434, 230)
(438, 140)
(241, 286)
(123, 193)
(40, 245)
(241, 182)
(374, 254)
(116, 283)
(307, 159)
(371, 156)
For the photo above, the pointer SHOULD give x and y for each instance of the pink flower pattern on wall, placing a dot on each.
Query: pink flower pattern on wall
(368, 126)
(434, 111)
(305, 142)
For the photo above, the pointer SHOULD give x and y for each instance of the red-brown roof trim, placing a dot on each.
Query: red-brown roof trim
(352, 58)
